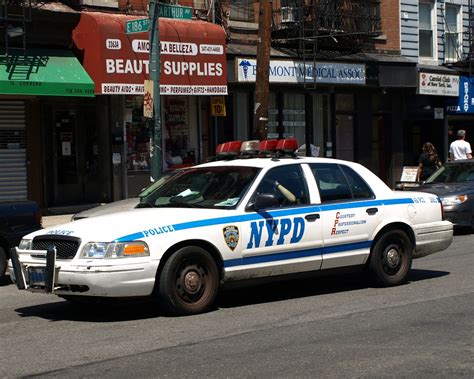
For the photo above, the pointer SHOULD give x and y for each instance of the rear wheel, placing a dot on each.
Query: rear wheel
(391, 258)
(188, 282)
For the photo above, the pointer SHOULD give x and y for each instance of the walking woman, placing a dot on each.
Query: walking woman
(428, 162)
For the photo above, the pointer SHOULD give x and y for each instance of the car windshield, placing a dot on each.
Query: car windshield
(453, 173)
(153, 186)
(210, 187)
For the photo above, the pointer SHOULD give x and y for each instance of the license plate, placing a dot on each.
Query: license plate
(37, 276)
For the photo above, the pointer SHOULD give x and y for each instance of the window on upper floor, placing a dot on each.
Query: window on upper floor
(241, 10)
(426, 29)
(452, 33)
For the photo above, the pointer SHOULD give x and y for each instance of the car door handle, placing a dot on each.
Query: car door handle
(312, 217)
(372, 211)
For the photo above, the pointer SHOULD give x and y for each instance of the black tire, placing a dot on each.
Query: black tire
(391, 259)
(3, 262)
(189, 282)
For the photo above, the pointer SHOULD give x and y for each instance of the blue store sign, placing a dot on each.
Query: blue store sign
(465, 103)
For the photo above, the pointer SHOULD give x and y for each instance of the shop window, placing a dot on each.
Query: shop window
(138, 135)
(178, 147)
(294, 117)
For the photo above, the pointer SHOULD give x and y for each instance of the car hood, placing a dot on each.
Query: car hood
(129, 225)
(116, 206)
(447, 189)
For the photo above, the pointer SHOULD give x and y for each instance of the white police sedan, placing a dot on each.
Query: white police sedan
(230, 220)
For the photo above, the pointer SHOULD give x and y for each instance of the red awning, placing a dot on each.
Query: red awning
(193, 57)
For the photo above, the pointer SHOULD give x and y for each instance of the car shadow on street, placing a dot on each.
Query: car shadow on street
(113, 312)
(416, 274)
(256, 293)
(307, 287)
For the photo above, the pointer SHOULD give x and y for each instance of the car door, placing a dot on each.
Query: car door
(281, 231)
(350, 214)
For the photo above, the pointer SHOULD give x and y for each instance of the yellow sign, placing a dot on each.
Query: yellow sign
(218, 106)
(148, 99)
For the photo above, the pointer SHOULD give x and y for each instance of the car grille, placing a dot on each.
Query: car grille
(66, 247)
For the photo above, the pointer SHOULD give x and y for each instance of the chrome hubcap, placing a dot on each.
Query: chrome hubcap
(192, 281)
(393, 258)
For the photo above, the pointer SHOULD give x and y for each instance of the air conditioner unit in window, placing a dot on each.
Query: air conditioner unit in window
(289, 15)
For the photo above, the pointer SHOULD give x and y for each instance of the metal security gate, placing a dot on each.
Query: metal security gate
(13, 184)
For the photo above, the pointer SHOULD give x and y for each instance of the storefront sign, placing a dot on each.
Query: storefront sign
(465, 102)
(192, 55)
(438, 84)
(218, 106)
(299, 72)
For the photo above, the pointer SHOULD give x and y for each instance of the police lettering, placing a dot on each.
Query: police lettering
(158, 230)
(293, 228)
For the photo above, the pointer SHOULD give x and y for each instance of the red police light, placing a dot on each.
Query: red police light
(268, 145)
(288, 145)
(219, 149)
(231, 148)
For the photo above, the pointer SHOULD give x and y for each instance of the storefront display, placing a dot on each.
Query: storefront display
(138, 135)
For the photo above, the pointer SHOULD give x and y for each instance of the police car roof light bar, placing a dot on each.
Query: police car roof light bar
(231, 148)
(268, 146)
(288, 145)
(250, 147)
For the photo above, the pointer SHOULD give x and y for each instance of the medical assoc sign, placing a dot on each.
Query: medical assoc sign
(438, 84)
(289, 71)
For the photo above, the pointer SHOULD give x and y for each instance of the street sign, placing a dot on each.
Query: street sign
(175, 11)
(137, 26)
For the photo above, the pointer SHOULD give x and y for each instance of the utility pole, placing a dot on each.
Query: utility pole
(263, 67)
(156, 153)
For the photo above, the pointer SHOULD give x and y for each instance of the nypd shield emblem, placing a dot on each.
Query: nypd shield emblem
(231, 236)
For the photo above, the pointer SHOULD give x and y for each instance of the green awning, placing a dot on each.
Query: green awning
(44, 72)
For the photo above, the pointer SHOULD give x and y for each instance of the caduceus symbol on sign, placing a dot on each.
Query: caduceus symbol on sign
(245, 66)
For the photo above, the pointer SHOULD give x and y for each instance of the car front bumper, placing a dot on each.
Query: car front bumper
(120, 278)
(432, 238)
(460, 215)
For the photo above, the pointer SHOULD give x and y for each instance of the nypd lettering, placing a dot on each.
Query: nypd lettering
(278, 231)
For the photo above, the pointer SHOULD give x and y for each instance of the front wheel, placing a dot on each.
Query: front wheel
(391, 258)
(188, 282)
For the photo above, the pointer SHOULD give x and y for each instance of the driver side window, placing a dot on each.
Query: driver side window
(285, 185)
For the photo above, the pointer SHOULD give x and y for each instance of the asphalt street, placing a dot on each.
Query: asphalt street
(338, 326)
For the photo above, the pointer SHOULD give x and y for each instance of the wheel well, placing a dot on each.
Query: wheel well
(395, 226)
(210, 248)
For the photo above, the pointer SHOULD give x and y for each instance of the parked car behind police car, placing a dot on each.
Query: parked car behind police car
(233, 220)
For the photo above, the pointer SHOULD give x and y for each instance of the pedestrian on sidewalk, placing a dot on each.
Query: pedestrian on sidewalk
(460, 149)
(428, 162)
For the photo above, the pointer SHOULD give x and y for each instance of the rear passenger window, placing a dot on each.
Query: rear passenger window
(339, 183)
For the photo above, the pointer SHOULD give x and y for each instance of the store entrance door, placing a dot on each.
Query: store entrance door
(68, 179)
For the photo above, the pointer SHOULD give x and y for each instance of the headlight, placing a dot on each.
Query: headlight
(25, 244)
(97, 250)
(453, 200)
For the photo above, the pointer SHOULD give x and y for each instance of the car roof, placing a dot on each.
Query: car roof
(271, 162)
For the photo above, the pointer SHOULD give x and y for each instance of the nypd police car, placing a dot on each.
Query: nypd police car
(230, 220)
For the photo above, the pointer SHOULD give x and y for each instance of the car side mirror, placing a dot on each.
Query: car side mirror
(263, 201)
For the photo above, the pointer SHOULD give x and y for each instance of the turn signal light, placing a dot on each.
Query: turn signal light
(135, 250)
